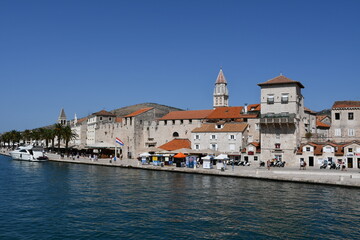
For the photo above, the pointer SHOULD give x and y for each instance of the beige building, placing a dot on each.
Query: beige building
(282, 114)
(225, 137)
(345, 121)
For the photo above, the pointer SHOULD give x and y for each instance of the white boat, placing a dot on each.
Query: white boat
(29, 153)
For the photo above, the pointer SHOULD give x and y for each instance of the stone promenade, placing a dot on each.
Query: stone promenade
(348, 178)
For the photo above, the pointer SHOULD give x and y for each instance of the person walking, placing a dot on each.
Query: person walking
(268, 164)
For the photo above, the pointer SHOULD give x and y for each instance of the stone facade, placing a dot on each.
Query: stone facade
(345, 121)
(282, 114)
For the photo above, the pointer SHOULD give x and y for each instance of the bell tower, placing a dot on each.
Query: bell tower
(221, 92)
(62, 117)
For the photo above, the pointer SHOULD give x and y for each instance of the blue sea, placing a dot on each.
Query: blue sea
(53, 200)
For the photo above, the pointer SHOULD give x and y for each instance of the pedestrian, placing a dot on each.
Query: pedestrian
(268, 164)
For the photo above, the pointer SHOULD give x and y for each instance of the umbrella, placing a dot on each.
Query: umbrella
(180, 155)
(145, 154)
(222, 157)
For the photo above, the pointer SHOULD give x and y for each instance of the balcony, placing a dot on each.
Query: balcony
(282, 118)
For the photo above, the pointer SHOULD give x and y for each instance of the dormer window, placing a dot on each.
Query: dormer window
(219, 126)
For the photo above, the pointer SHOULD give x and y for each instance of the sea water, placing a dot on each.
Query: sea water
(50, 200)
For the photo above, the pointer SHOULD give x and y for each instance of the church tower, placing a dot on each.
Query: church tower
(221, 92)
(62, 117)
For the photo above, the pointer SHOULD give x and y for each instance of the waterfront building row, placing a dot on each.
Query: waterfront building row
(278, 127)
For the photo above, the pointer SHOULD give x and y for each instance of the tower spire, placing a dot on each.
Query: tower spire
(221, 93)
(62, 117)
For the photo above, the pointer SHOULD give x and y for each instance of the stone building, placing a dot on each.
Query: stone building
(281, 120)
(345, 121)
(225, 137)
(99, 130)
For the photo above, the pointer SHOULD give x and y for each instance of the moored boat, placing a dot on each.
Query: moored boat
(29, 153)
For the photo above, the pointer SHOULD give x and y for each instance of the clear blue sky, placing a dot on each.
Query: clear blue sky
(85, 56)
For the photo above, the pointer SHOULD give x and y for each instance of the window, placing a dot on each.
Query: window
(100, 118)
(165, 122)
(190, 121)
(109, 119)
(308, 149)
(175, 134)
(232, 137)
(338, 132)
(219, 126)
(351, 116)
(181, 121)
(270, 99)
(173, 122)
(257, 126)
(197, 146)
(197, 136)
(213, 146)
(284, 98)
(350, 150)
(337, 116)
(277, 145)
(351, 132)
(213, 137)
(255, 158)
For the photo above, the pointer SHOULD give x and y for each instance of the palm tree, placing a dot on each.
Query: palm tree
(15, 137)
(68, 135)
(26, 136)
(58, 132)
(47, 135)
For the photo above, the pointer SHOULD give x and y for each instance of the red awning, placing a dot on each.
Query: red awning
(180, 155)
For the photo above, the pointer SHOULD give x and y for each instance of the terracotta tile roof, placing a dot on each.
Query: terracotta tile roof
(228, 127)
(346, 104)
(280, 80)
(308, 110)
(140, 111)
(221, 78)
(118, 119)
(104, 113)
(254, 107)
(226, 113)
(81, 120)
(321, 117)
(176, 144)
(193, 114)
(321, 124)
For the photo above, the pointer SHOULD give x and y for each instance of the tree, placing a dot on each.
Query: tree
(58, 132)
(26, 136)
(68, 135)
(15, 137)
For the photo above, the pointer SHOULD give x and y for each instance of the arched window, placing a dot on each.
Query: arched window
(175, 134)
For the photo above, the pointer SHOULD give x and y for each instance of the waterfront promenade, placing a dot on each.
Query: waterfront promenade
(348, 178)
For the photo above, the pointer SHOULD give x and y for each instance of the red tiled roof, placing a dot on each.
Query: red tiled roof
(321, 117)
(321, 124)
(81, 120)
(308, 110)
(226, 113)
(118, 119)
(139, 112)
(346, 104)
(104, 113)
(254, 107)
(193, 114)
(228, 127)
(280, 80)
(176, 144)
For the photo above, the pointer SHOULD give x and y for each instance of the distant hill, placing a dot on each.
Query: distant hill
(324, 112)
(160, 111)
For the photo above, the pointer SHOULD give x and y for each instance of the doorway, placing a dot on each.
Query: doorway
(350, 162)
(311, 161)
